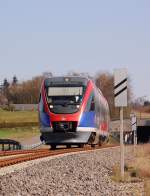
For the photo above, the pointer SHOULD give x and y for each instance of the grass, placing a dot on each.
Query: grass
(18, 116)
(147, 187)
(19, 134)
(136, 170)
(142, 160)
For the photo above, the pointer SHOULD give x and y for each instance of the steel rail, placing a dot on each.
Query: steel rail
(17, 152)
(41, 154)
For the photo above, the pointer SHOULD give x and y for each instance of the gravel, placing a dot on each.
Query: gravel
(72, 175)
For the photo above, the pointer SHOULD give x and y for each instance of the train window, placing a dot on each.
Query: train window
(65, 99)
(92, 108)
(91, 103)
(40, 98)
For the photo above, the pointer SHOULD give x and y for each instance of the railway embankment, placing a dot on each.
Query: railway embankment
(86, 173)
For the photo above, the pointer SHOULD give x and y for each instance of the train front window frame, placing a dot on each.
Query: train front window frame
(64, 101)
(65, 91)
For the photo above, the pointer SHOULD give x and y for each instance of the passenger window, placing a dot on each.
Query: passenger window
(92, 108)
(91, 103)
(40, 98)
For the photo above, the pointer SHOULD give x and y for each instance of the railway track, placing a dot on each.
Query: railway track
(27, 155)
(17, 152)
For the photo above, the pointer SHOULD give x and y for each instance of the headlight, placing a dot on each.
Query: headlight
(78, 106)
(51, 106)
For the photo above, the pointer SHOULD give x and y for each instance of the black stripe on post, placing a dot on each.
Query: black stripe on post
(133, 123)
(120, 83)
(120, 91)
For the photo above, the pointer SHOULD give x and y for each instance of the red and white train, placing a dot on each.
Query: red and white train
(72, 110)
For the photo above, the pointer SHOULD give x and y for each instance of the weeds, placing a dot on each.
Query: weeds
(136, 170)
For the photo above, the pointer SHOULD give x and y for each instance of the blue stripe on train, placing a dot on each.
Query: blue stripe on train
(44, 119)
(87, 119)
(43, 116)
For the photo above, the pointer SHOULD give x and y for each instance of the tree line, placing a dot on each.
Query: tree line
(27, 92)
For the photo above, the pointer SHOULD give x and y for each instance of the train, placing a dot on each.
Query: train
(72, 111)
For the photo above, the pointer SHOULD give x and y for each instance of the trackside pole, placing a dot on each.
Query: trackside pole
(134, 131)
(121, 144)
(120, 95)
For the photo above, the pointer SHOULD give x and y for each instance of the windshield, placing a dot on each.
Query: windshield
(64, 99)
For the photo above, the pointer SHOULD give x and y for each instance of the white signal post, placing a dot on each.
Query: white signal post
(134, 129)
(120, 93)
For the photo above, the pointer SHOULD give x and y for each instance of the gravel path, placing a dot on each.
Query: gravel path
(79, 174)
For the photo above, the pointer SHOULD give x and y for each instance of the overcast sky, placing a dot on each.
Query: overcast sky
(79, 35)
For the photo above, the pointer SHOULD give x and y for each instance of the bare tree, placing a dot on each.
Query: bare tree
(25, 92)
(105, 81)
(15, 80)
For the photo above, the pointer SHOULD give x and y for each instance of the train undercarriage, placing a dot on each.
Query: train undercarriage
(78, 138)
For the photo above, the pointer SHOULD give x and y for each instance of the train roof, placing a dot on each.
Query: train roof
(66, 80)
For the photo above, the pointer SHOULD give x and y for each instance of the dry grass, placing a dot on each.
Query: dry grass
(147, 187)
(143, 150)
(137, 169)
(116, 175)
(130, 174)
(142, 115)
(142, 161)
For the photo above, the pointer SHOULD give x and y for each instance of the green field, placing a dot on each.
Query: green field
(14, 119)
(19, 134)
(18, 125)
(18, 116)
